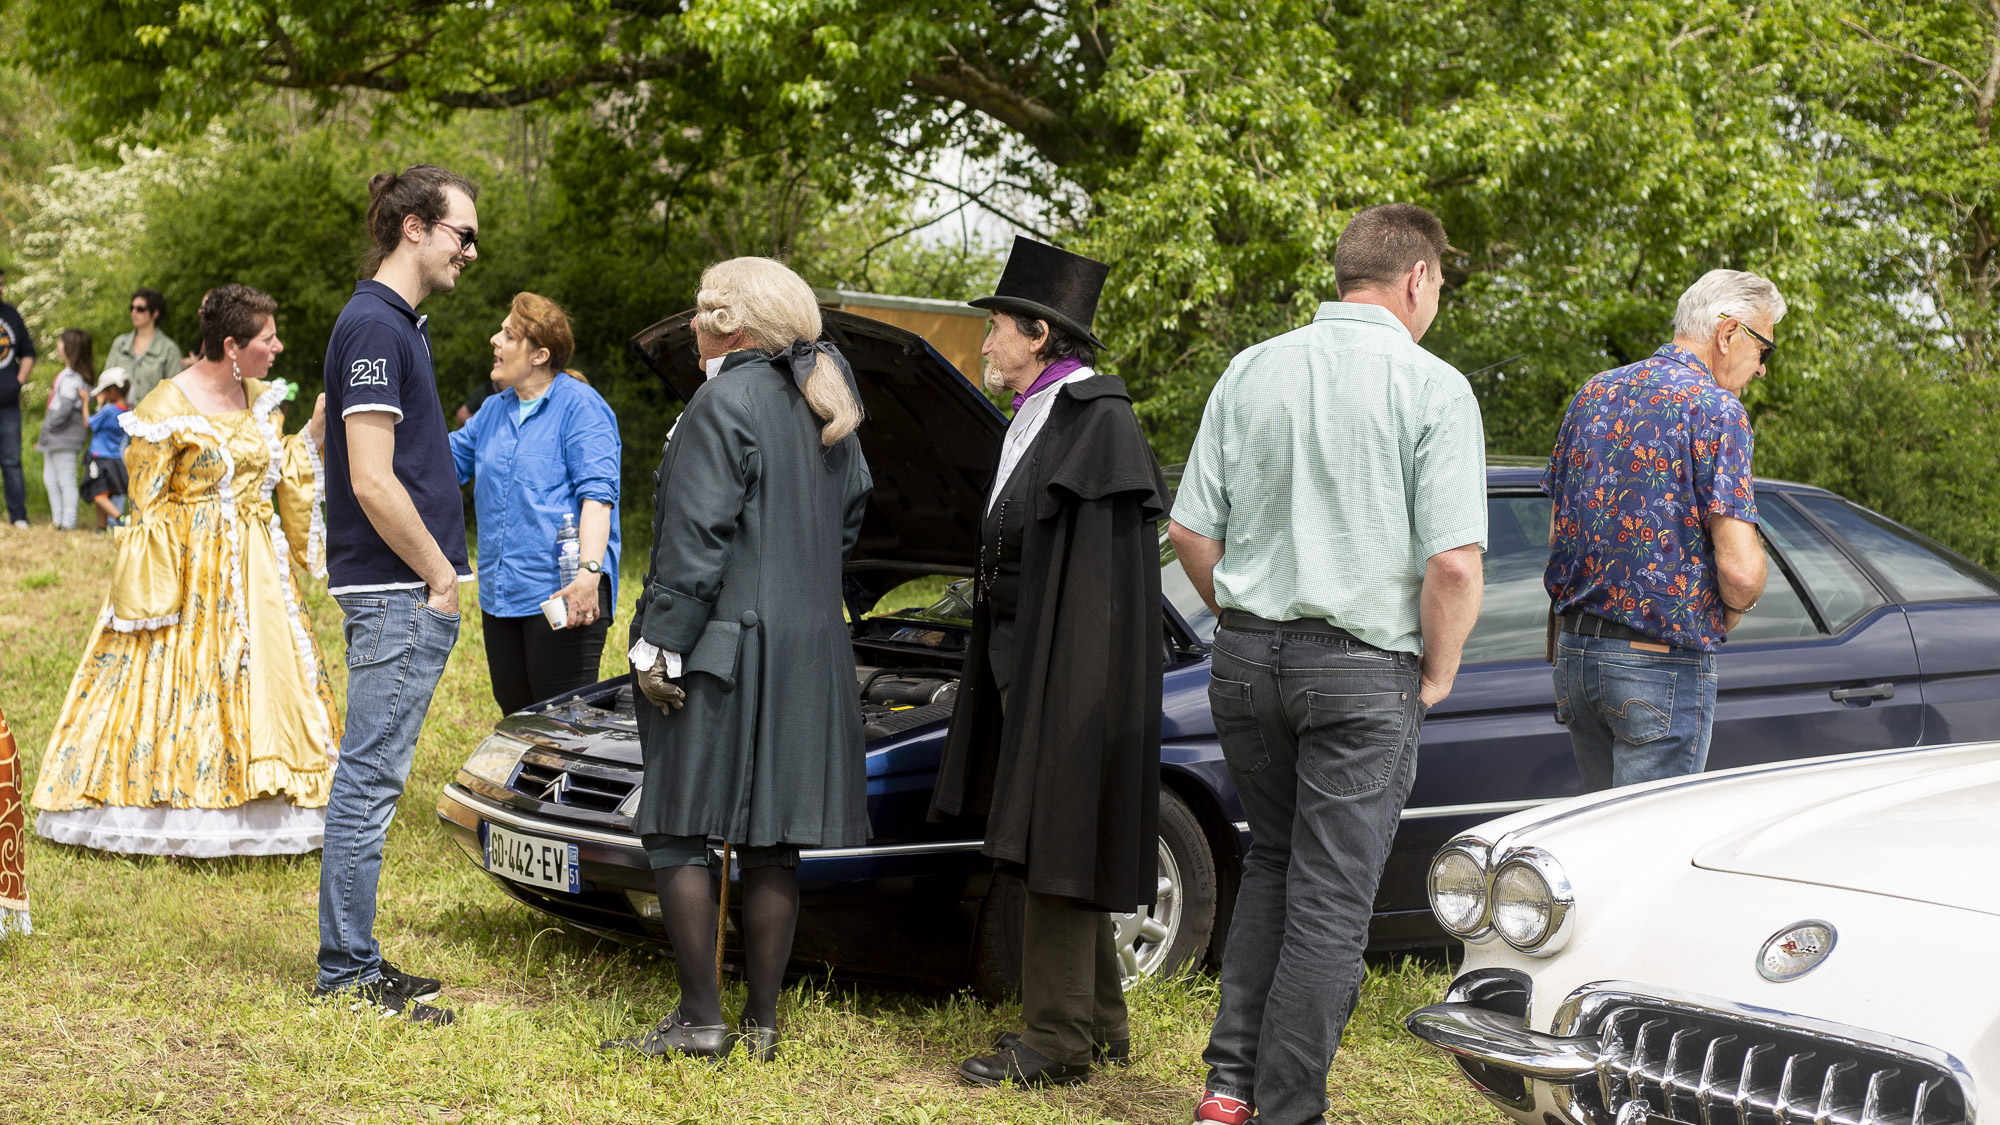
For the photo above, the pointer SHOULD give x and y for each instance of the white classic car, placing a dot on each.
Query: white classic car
(1810, 941)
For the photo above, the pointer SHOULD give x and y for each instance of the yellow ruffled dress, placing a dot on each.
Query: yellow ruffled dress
(200, 721)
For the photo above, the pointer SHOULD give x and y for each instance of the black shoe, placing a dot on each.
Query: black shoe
(410, 984)
(1117, 1052)
(760, 1041)
(1022, 1065)
(377, 999)
(672, 1037)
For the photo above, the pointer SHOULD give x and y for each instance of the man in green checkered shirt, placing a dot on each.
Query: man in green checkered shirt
(1332, 513)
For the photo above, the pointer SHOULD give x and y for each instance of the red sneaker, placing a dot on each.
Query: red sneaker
(1223, 1109)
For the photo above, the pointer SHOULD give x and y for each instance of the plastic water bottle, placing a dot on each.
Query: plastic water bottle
(569, 549)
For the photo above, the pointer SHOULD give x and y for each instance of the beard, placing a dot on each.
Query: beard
(443, 278)
(991, 379)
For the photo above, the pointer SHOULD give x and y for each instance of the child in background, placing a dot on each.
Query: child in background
(65, 431)
(104, 482)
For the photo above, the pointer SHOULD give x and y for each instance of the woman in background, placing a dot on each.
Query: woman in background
(146, 353)
(66, 426)
(200, 721)
(545, 447)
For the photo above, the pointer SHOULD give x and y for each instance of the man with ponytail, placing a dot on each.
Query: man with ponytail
(395, 556)
(749, 720)
(1055, 739)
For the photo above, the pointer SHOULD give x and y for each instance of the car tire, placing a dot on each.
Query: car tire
(1164, 940)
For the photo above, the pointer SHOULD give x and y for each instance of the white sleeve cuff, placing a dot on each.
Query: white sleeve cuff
(384, 407)
(643, 655)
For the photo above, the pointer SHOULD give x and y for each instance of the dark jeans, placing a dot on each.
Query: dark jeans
(1634, 715)
(397, 647)
(15, 485)
(1320, 732)
(529, 662)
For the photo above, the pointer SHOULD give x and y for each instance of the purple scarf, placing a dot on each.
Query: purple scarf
(1051, 375)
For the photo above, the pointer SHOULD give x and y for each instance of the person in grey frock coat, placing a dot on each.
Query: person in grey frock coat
(750, 722)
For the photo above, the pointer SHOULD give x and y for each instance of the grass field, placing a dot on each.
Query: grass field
(174, 990)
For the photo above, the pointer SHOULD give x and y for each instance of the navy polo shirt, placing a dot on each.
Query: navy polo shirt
(380, 359)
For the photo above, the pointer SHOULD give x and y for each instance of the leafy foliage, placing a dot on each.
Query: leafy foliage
(1590, 160)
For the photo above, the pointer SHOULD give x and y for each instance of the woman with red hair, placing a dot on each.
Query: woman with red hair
(542, 451)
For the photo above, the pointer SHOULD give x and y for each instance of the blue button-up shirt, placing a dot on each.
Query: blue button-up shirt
(527, 473)
(1647, 454)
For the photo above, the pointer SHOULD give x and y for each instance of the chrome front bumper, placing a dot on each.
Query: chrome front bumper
(1624, 1054)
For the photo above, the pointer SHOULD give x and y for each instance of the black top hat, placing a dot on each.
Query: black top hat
(1050, 284)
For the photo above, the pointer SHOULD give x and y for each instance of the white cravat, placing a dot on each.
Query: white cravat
(643, 654)
(1026, 427)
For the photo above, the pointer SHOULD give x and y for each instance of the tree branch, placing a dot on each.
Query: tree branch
(1049, 132)
(622, 71)
(1911, 55)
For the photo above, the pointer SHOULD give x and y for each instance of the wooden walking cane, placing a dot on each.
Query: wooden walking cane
(722, 917)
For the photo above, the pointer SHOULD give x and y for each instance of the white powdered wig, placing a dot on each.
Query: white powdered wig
(1722, 293)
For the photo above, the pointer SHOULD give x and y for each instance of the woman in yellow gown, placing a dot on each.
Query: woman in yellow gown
(200, 721)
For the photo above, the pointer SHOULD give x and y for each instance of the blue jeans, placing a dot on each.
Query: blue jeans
(15, 485)
(1634, 715)
(1320, 733)
(397, 647)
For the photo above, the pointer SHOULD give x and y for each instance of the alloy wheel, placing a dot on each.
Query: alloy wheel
(1144, 937)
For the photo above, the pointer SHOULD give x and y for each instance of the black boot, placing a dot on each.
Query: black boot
(1115, 1052)
(1022, 1065)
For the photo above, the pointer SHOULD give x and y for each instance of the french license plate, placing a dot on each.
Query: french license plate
(534, 860)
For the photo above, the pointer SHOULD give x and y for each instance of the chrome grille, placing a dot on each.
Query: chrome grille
(554, 784)
(1714, 1070)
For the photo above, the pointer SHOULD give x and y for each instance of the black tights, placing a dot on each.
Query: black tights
(770, 917)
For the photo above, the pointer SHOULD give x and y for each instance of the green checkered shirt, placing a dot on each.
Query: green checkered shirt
(1332, 463)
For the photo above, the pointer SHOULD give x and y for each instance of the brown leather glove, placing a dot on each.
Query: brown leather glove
(654, 684)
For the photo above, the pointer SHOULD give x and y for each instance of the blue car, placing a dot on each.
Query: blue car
(1869, 636)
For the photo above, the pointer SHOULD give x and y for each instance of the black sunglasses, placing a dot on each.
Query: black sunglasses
(142, 307)
(1765, 347)
(467, 236)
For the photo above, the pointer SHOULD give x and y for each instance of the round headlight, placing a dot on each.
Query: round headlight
(1458, 891)
(1532, 901)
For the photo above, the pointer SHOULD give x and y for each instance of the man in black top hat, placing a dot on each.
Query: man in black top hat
(1055, 739)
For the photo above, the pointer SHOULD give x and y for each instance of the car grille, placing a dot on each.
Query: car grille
(1714, 1070)
(553, 783)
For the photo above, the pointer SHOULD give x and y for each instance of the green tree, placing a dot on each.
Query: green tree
(1590, 159)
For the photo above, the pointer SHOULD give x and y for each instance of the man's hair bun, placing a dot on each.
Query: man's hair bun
(392, 197)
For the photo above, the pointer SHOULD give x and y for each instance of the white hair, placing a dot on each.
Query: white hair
(772, 307)
(1722, 293)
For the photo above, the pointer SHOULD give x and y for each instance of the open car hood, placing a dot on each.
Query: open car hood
(931, 439)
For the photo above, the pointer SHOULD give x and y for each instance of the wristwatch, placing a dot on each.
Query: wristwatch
(592, 566)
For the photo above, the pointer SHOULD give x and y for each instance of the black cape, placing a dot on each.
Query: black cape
(1069, 784)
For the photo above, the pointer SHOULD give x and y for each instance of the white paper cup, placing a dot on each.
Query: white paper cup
(557, 611)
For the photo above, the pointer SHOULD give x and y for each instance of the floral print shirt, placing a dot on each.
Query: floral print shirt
(1646, 454)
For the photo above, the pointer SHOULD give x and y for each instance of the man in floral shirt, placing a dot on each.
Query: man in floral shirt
(1653, 547)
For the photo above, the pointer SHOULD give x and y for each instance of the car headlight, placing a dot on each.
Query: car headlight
(496, 758)
(1531, 902)
(1457, 885)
